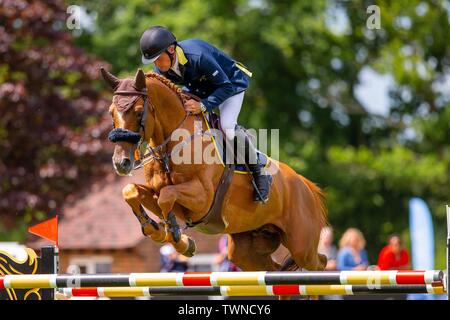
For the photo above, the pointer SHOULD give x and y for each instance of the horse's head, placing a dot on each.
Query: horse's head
(128, 111)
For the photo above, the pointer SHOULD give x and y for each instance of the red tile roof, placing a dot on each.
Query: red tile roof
(100, 219)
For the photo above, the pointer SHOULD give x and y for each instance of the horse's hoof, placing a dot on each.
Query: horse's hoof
(190, 251)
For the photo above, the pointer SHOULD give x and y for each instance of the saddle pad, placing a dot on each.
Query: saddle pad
(218, 145)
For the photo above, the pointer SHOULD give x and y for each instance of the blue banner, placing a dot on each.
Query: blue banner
(422, 238)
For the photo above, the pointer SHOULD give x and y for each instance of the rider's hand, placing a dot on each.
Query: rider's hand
(185, 97)
(192, 106)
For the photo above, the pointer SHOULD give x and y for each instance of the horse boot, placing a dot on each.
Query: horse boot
(173, 226)
(145, 220)
(261, 181)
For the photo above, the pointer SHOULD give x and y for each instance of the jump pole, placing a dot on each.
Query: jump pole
(243, 291)
(189, 279)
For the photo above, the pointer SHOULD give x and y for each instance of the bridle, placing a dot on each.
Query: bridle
(125, 135)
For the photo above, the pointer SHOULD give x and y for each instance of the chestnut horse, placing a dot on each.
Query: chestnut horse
(150, 108)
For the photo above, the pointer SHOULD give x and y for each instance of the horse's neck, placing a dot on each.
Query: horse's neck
(169, 113)
(158, 135)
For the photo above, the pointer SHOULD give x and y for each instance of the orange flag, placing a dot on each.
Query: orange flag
(47, 229)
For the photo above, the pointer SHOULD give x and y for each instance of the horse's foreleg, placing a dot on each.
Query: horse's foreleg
(139, 196)
(190, 195)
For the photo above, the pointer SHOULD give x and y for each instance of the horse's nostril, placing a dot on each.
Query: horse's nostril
(126, 163)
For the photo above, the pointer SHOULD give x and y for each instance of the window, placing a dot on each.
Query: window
(202, 263)
(90, 265)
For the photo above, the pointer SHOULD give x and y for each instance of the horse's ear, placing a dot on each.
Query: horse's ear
(110, 79)
(139, 80)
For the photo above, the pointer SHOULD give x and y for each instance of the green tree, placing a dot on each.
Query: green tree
(307, 58)
(52, 117)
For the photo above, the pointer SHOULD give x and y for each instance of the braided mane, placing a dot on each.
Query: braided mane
(172, 86)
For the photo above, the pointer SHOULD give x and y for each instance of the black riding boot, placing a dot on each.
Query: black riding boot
(262, 181)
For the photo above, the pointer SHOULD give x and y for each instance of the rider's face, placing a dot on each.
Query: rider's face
(163, 62)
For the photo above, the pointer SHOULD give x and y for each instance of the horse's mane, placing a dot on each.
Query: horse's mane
(172, 86)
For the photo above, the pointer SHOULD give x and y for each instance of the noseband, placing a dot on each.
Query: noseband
(125, 135)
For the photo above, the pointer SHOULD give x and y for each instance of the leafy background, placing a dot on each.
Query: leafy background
(306, 58)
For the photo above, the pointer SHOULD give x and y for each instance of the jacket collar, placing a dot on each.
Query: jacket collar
(182, 60)
(181, 56)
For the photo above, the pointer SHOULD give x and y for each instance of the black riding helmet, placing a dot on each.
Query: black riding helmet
(155, 41)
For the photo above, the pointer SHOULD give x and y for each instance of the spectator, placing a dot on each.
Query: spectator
(352, 255)
(171, 260)
(222, 257)
(327, 248)
(393, 256)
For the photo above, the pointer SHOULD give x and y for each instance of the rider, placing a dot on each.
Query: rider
(211, 75)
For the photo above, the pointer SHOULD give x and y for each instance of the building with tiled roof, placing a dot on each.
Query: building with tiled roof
(99, 233)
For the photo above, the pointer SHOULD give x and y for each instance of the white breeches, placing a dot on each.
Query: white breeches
(229, 112)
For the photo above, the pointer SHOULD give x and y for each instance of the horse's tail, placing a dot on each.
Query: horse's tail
(319, 201)
(320, 210)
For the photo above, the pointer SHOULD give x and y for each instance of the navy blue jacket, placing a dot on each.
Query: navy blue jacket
(208, 72)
